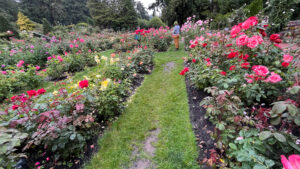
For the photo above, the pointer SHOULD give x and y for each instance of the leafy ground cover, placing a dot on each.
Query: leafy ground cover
(159, 104)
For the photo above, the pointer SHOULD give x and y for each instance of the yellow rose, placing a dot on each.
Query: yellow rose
(55, 93)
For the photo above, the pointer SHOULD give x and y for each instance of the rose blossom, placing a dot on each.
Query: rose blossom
(84, 84)
(285, 64)
(260, 70)
(235, 30)
(274, 78)
(253, 42)
(287, 58)
(259, 38)
(232, 68)
(232, 55)
(242, 40)
(223, 73)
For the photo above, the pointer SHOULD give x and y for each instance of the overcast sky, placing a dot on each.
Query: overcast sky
(146, 3)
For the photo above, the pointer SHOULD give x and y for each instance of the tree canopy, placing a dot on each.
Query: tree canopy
(116, 14)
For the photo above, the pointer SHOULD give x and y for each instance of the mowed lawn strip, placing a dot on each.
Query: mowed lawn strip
(161, 102)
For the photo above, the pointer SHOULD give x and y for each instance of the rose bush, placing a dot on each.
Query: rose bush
(245, 72)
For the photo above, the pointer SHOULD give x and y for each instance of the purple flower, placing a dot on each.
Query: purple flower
(3, 66)
(31, 46)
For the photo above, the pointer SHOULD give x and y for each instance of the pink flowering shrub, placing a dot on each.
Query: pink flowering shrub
(60, 122)
(260, 67)
(253, 86)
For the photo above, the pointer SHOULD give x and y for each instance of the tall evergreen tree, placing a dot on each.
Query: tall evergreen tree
(52, 10)
(9, 9)
(76, 11)
(141, 11)
(116, 14)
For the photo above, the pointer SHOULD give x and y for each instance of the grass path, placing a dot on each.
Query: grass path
(160, 104)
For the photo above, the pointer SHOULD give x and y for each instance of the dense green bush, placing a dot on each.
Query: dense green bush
(46, 26)
(254, 8)
(143, 23)
(156, 22)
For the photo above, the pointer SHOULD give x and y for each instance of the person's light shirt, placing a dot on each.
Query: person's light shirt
(176, 30)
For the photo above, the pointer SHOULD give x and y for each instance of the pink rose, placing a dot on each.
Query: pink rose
(274, 78)
(208, 64)
(59, 58)
(235, 30)
(259, 38)
(71, 46)
(252, 42)
(242, 40)
(3, 72)
(20, 64)
(287, 58)
(260, 70)
(252, 21)
(37, 68)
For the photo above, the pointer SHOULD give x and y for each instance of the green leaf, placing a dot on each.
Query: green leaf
(280, 137)
(221, 126)
(226, 86)
(54, 148)
(72, 137)
(276, 121)
(297, 120)
(296, 147)
(295, 89)
(232, 146)
(293, 110)
(259, 166)
(265, 135)
(269, 163)
(279, 108)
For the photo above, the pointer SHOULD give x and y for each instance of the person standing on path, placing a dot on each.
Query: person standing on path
(175, 35)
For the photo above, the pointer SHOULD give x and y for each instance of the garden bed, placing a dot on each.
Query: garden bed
(202, 127)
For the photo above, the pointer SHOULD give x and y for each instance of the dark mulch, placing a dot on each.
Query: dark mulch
(201, 126)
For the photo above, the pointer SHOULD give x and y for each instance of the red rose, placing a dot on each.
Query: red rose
(31, 93)
(41, 91)
(84, 84)
(232, 55)
(285, 64)
(182, 73)
(275, 38)
(15, 107)
(278, 41)
(245, 65)
(229, 45)
(223, 73)
(232, 68)
(194, 60)
(186, 69)
(207, 59)
(13, 98)
(263, 33)
(204, 44)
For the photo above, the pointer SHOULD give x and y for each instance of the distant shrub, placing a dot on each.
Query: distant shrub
(254, 8)
(156, 22)
(46, 26)
(24, 22)
(143, 23)
(82, 24)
